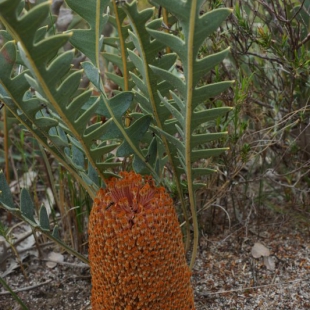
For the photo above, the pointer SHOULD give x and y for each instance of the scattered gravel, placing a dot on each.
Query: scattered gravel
(225, 275)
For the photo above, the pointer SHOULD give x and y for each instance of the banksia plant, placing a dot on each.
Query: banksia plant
(156, 119)
(162, 117)
(136, 251)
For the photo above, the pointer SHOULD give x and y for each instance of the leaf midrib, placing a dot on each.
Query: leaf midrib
(188, 119)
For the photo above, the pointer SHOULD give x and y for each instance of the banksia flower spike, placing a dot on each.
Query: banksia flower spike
(136, 252)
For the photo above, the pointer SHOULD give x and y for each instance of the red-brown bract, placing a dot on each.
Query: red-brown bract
(136, 252)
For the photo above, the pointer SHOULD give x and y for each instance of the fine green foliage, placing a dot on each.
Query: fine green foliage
(269, 129)
(87, 129)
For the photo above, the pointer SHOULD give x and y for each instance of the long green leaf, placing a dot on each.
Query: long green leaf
(131, 136)
(54, 81)
(18, 98)
(188, 96)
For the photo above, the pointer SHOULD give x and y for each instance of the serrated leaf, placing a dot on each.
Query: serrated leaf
(136, 131)
(147, 82)
(55, 83)
(186, 94)
(117, 60)
(89, 41)
(202, 171)
(200, 139)
(208, 91)
(205, 64)
(204, 116)
(199, 154)
(259, 250)
(46, 123)
(92, 73)
(174, 81)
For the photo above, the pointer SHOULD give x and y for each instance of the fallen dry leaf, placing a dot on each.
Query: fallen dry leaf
(54, 259)
(269, 262)
(259, 250)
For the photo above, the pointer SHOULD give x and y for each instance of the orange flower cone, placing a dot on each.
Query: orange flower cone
(136, 252)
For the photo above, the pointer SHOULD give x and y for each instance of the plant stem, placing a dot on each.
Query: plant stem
(6, 286)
